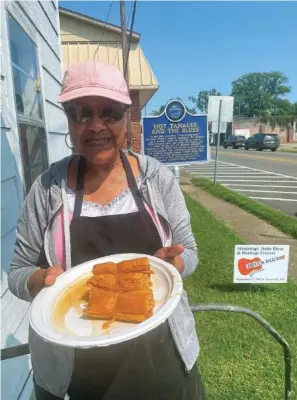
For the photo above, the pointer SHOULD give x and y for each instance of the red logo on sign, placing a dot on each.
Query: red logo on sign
(246, 266)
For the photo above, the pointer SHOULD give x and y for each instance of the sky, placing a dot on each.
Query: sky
(194, 46)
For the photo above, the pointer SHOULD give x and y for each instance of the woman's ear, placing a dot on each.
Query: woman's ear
(67, 139)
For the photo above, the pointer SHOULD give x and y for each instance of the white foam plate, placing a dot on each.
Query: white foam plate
(167, 287)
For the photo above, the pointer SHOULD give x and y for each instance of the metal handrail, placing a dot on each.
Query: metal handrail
(267, 326)
(15, 351)
(23, 349)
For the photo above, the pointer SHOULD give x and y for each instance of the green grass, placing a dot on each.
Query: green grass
(274, 217)
(238, 359)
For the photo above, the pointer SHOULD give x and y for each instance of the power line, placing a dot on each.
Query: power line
(130, 35)
(130, 13)
(103, 30)
(126, 75)
(126, 51)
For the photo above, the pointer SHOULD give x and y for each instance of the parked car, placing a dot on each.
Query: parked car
(261, 141)
(234, 141)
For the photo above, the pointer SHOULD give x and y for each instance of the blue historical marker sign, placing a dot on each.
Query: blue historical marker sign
(176, 137)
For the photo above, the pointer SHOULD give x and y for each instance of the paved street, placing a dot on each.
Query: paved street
(281, 163)
(264, 176)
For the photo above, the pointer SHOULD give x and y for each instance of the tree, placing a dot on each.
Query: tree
(282, 113)
(159, 112)
(162, 108)
(260, 94)
(201, 101)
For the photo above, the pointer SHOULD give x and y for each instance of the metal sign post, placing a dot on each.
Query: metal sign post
(177, 173)
(218, 143)
(222, 105)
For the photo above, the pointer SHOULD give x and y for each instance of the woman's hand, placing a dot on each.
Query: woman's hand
(43, 277)
(172, 255)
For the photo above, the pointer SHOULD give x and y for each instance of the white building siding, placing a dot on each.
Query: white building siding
(40, 22)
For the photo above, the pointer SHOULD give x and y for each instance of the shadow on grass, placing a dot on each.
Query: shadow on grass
(245, 287)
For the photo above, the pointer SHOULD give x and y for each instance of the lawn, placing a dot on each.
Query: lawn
(239, 360)
(276, 218)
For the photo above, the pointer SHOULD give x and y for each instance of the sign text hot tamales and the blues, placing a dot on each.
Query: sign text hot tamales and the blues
(176, 137)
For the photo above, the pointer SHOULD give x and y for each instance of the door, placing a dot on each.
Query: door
(251, 142)
(259, 141)
(255, 141)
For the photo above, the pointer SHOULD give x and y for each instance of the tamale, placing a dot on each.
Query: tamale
(101, 304)
(106, 268)
(136, 302)
(133, 281)
(133, 306)
(122, 282)
(136, 265)
(121, 291)
(103, 281)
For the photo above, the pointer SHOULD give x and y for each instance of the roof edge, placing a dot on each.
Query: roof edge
(97, 22)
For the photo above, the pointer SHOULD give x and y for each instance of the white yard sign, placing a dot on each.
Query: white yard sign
(261, 264)
(227, 108)
(215, 127)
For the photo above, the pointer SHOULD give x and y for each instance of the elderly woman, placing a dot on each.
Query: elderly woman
(98, 202)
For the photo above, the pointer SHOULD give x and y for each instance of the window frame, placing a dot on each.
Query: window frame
(22, 119)
(258, 136)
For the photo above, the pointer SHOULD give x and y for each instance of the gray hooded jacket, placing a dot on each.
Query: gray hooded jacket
(53, 365)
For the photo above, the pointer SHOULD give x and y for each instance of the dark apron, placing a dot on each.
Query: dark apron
(148, 367)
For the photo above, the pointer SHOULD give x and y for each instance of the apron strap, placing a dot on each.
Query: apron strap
(144, 215)
(79, 188)
(132, 182)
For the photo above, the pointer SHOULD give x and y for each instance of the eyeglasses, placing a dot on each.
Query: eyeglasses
(83, 114)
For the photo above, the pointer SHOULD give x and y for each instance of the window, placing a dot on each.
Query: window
(271, 137)
(28, 100)
(33, 147)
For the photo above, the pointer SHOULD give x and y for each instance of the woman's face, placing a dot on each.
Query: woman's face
(97, 128)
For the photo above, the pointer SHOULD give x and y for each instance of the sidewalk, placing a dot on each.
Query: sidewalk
(289, 146)
(250, 228)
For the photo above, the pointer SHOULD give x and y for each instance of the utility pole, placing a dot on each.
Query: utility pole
(126, 70)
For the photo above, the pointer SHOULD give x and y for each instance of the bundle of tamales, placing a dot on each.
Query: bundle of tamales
(121, 291)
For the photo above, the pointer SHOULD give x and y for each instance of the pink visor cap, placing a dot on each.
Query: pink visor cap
(94, 78)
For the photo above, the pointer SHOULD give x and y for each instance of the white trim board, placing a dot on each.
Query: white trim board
(268, 186)
(261, 170)
(272, 199)
(265, 191)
